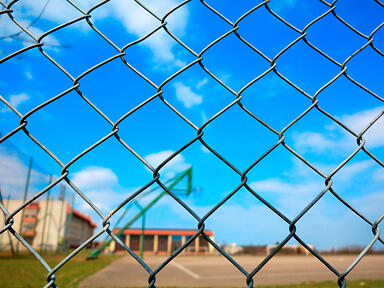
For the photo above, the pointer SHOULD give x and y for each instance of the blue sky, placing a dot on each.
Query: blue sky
(109, 173)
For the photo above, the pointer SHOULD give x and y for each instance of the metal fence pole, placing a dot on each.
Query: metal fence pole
(60, 226)
(24, 200)
(8, 233)
(45, 215)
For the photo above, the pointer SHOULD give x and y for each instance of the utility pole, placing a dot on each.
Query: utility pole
(9, 234)
(60, 226)
(46, 215)
(24, 200)
(142, 229)
(49, 220)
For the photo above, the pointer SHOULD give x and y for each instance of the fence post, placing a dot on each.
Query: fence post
(8, 233)
(60, 226)
(24, 199)
(46, 215)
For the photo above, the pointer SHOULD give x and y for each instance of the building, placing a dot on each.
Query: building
(163, 241)
(48, 225)
(232, 249)
(290, 249)
(260, 250)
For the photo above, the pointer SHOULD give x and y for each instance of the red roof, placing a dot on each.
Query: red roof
(28, 233)
(81, 216)
(29, 219)
(176, 232)
(33, 205)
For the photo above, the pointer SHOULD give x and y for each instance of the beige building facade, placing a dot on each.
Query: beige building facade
(47, 225)
(163, 241)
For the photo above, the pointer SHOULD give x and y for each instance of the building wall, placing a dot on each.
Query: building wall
(158, 243)
(53, 215)
(11, 206)
(54, 228)
(79, 232)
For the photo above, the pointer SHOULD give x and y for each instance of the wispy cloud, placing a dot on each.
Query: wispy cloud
(16, 100)
(204, 149)
(201, 83)
(139, 22)
(13, 175)
(352, 169)
(28, 75)
(56, 11)
(136, 20)
(185, 95)
(337, 139)
(379, 174)
(371, 204)
(316, 142)
(7, 28)
(358, 121)
(176, 165)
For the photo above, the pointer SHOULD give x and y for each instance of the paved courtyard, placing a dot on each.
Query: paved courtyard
(216, 271)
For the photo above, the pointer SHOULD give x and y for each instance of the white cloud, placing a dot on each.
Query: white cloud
(16, 100)
(370, 205)
(136, 20)
(352, 169)
(56, 11)
(7, 27)
(279, 186)
(358, 121)
(299, 189)
(338, 139)
(13, 175)
(204, 117)
(271, 185)
(104, 198)
(139, 22)
(314, 141)
(281, 5)
(94, 177)
(28, 75)
(176, 165)
(251, 222)
(379, 174)
(186, 95)
(276, 185)
(289, 196)
(101, 186)
(204, 149)
(201, 83)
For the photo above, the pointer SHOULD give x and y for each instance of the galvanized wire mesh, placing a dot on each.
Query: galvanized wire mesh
(233, 28)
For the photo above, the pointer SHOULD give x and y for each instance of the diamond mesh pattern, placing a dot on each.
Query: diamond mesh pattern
(38, 43)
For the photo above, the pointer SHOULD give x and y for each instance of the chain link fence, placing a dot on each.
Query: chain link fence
(38, 43)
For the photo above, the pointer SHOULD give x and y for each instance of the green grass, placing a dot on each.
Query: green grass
(26, 271)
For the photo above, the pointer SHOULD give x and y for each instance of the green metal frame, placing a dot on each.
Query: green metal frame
(173, 182)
